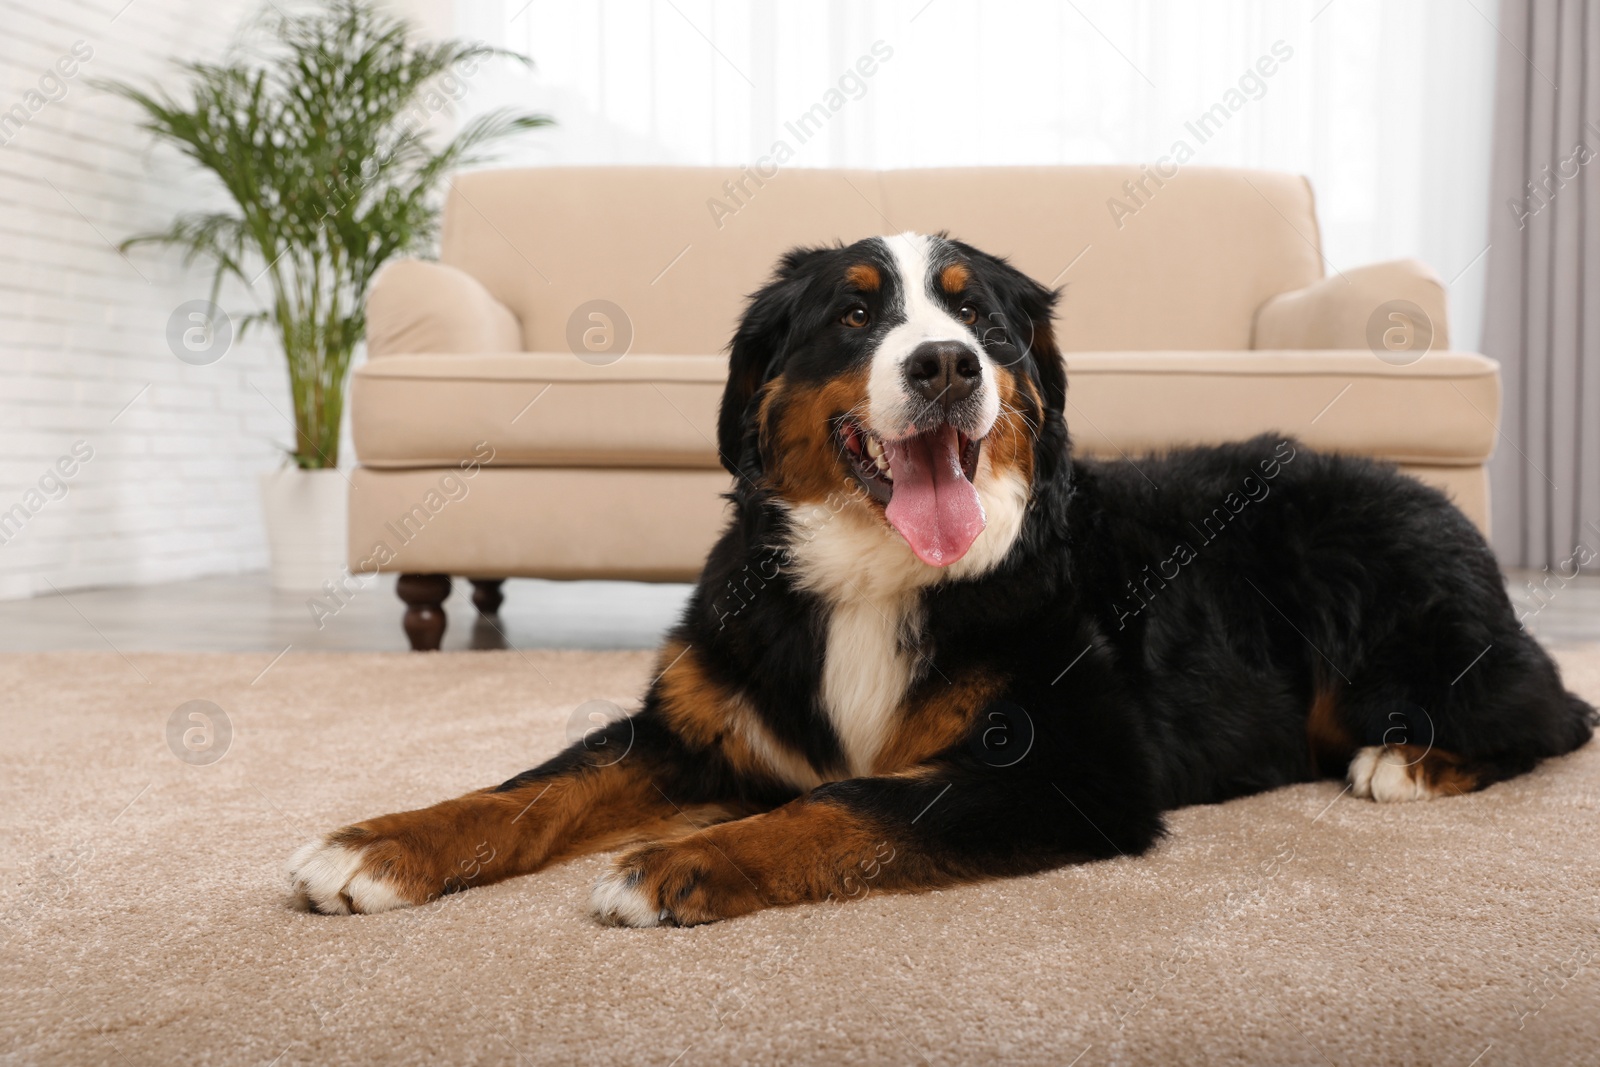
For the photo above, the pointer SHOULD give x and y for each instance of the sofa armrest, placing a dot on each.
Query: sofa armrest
(419, 306)
(1351, 310)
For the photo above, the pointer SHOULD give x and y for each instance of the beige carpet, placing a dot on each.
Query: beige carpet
(145, 918)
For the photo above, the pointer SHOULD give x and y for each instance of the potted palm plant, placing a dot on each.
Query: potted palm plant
(317, 132)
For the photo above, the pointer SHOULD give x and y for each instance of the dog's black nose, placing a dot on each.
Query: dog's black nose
(944, 372)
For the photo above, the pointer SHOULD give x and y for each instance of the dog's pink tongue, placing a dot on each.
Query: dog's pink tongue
(933, 505)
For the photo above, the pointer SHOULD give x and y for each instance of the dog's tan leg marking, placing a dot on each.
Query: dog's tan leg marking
(409, 858)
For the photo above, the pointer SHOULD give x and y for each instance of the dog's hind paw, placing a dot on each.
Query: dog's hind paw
(1391, 773)
(618, 899)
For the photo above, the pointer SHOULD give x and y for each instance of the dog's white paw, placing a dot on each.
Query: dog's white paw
(618, 899)
(1388, 775)
(331, 878)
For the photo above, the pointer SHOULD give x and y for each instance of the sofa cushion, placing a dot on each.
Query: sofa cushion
(1440, 410)
(552, 409)
(1182, 263)
(1147, 262)
(537, 409)
(676, 249)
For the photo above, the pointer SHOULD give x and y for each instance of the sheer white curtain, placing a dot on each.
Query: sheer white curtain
(1386, 104)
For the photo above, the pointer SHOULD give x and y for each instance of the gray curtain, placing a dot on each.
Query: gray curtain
(1542, 317)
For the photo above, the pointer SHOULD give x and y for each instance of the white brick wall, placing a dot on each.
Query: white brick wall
(171, 489)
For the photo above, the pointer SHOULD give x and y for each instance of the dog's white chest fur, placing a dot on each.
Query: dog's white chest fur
(873, 587)
(866, 673)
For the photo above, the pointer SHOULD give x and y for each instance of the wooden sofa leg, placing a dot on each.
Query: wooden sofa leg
(424, 595)
(486, 595)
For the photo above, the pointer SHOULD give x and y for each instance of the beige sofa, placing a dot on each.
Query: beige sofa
(542, 401)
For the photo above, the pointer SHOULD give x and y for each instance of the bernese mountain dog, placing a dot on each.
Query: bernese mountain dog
(932, 646)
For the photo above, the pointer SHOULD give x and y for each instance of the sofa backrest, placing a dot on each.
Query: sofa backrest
(1181, 262)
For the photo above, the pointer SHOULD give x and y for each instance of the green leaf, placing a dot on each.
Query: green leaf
(316, 133)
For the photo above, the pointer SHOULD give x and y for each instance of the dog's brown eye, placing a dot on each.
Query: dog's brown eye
(968, 314)
(855, 317)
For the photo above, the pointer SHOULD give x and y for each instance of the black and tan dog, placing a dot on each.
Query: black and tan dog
(933, 647)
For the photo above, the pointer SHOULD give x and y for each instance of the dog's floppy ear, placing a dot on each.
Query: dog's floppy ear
(1028, 314)
(756, 355)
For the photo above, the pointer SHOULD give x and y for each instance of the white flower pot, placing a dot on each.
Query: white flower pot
(307, 527)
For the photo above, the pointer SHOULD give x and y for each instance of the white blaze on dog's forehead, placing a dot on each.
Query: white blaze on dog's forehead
(926, 319)
(918, 315)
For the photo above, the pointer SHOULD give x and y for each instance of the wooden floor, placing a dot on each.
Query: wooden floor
(242, 613)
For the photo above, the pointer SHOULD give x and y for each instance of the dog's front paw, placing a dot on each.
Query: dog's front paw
(353, 872)
(677, 883)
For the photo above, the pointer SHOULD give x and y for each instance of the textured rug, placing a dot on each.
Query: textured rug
(145, 917)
